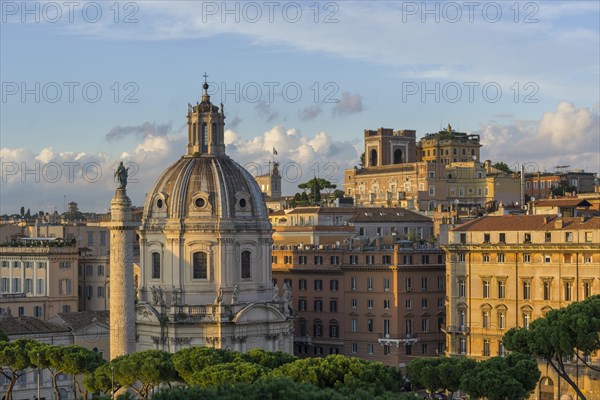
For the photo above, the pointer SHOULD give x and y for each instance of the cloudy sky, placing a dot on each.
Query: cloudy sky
(88, 84)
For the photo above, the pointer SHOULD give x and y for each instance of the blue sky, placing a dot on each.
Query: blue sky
(370, 60)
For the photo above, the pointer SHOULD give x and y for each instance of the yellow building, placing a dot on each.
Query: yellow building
(505, 271)
(448, 146)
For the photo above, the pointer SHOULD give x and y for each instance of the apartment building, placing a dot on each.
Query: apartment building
(381, 303)
(506, 271)
(38, 278)
(539, 184)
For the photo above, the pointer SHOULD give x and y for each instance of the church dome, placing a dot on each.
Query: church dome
(205, 186)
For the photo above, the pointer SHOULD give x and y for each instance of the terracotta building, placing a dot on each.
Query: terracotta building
(382, 303)
(506, 271)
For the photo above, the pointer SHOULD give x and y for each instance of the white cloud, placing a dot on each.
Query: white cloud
(566, 136)
(43, 181)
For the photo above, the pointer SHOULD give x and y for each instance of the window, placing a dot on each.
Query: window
(486, 289)
(200, 265)
(354, 303)
(62, 264)
(424, 303)
(526, 258)
(461, 257)
(386, 304)
(302, 325)
(386, 284)
(370, 284)
(527, 238)
(90, 238)
(370, 325)
(587, 290)
(425, 259)
(100, 269)
(334, 350)
(41, 286)
(16, 285)
(102, 238)
(318, 350)
(546, 290)
(526, 319)
(334, 260)
(386, 326)
(547, 237)
(302, 260)
(546, 258)
(441, 303)
(370, 349)
(408, 350)
(333, 329)
(370, 260)
(462, 345)
(155, 265)
(425, 325)
(501, 319)
(568, 236)
(501, 351)
(317, 328)
(486, 347)
(246, 267)
(424, 284)
(500, 257)
(5, 264)
(5, 285)
(463, 238)
(408, 327)
(408, 304)
(588, 236)
(485, 257)
(353, 283)
(37, 311)
(89, 270)
(332, 305)
(462, 319)
(441, 283)
(587, 258)
(302, 284)
(354, 325)
(66, 308)
(318, 305)
(485, 318)
(408, 284)
(502, 237)
(354, 348)
(407, 260)
(318, 284)
(318, 260)
(370, 303)
(302, 305)
(28, 285)
(568, 286)
(100, 290)
(431, 190)
(526, 290)
(486, 238)
(89, 291)
(568, 258)
(501, 289)
(21, 311)
(462, 288)
(353, 260)
(333, 285)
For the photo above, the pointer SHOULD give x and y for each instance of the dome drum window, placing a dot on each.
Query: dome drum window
(242, 204)
(159, 204)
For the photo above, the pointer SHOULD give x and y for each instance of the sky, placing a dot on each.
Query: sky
(88, 84)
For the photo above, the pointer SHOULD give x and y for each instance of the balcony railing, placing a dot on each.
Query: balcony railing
(455, 329)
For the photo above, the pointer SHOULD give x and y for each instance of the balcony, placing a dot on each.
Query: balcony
(303, 339)
(455, 329)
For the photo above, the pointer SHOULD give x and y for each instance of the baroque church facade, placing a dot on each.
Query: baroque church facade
(205, 253)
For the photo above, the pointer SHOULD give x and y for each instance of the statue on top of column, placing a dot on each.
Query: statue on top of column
(121, 175)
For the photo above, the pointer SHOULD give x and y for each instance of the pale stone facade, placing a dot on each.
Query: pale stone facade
(205, 252)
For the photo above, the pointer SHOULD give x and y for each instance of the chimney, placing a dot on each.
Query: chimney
(558, 224)
(546, 219)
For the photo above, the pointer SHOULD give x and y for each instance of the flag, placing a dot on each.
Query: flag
(274, 151)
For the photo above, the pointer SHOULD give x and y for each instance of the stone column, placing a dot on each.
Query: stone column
(122, 296)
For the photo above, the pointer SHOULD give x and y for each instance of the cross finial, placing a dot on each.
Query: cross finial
(205, 76)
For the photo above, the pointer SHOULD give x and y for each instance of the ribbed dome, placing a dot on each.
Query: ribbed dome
(203, 187)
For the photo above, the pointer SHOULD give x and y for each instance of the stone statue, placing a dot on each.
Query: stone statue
(234, 295)
(121, 175)
(189, 107)
(287, 292)
(157, 295)
(174, 296)
(276, 293)
(219, 297)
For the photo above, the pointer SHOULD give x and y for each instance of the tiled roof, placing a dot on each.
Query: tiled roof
(29, 325)
(81, 319)
(529, 223)
(575, 202)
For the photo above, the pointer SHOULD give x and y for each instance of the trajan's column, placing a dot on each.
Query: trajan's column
(122, 291)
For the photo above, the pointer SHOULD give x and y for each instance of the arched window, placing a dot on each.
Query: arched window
(317, 328)
(246, 270)
(155, 265)
(302, 326)
(373, 158)
(204, 137)
(334, 329)
(199, 265)
(213, 132)
(398, 156)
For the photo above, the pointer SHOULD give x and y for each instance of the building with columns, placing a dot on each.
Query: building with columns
(205, 252)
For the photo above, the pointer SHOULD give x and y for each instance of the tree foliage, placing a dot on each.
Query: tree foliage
(502, 378)
(14, 358)
(561, 334)
(440, 373)
(502, 166)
